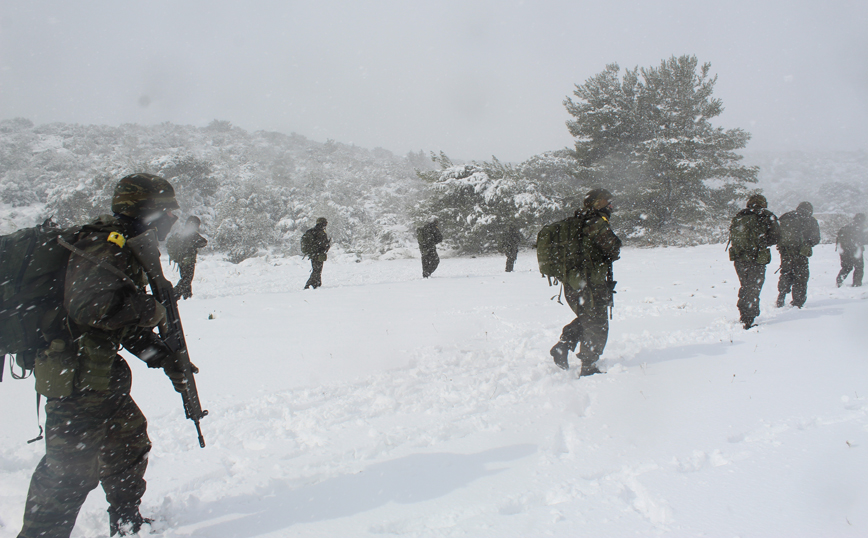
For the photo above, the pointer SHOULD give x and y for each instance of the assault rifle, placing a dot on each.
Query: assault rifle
(611, 283)
(146, 250)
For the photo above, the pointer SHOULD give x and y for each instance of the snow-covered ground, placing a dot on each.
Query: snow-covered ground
(384, 404)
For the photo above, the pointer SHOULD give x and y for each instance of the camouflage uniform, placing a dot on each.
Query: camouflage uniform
(322, 244)
(750, 265)
(852, 240)
(183, 249)
(601, 247)
(429, 236)
(97, 434)
(800, 232)
(509, 245)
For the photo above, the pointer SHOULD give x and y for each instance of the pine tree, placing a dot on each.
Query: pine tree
(647, 136)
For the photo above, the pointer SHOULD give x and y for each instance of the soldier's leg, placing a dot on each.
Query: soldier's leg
(510, 263)
(571, 334)
(184, 289)
(595, 325)
(315, 279)
(801, 273)
(74, 432)
(847, 265)
(858, 271)
(785, 281)
(751, 276)
(435, 261)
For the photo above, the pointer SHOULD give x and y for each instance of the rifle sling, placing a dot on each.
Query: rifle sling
(110, 268)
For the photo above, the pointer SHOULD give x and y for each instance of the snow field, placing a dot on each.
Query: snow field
(384, 404)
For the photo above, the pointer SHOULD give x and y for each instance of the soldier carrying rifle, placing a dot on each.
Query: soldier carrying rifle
(95, 432)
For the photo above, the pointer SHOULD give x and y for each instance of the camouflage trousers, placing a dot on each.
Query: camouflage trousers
(184, 288)
(91, 437)
(430, 261)
(315, 279)
(751, 276)
(591, 326)
(851, 263)
(794, 276)
(511, 256)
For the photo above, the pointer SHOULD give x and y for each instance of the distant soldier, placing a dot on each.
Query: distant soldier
(429, 236)
(315, 244)
(509, 243)
(800, 233)
(752, 232)
(183, 249)
(600, 247)
(852, 240)
(96, 434)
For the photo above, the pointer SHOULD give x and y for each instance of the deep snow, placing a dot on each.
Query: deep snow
(384, 404)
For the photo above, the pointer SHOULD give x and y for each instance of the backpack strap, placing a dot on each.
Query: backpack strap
(110, 268)
(38, 421)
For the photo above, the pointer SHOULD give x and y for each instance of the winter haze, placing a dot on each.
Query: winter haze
(473, 79)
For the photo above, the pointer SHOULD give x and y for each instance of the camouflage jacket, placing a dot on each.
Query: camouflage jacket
(509, 241)
(852, 239)
(184, 248)
(600, 245)
(105, 310)
(768, 233)
(799, 234)
(428, 236)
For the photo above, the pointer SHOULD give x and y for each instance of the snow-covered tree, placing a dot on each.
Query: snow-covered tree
(648, 137)
(476, 202)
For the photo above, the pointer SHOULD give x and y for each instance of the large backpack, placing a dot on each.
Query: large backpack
(791, 231)
(308, 242)
(32, 271)
(559, 251)
(746, 238)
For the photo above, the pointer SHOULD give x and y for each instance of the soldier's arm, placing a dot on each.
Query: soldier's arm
(97, 297)
(200, 242)
(815, 233)
(773, 231)
(605, 239)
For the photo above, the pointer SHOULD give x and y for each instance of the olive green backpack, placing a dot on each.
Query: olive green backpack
(32, 271)
(560, 253)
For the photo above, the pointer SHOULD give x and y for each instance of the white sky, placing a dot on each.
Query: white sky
(472, 78)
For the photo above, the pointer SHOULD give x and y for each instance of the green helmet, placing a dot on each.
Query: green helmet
(139, 194)
(757, 200)
(597, 199)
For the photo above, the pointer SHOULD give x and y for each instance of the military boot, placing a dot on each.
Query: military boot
(782, 299)
(589, 366)
(126, 521)
(560, 353)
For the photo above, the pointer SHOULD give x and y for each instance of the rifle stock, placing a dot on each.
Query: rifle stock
(145, 247)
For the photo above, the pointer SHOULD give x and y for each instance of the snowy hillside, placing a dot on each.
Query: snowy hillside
(384, 404)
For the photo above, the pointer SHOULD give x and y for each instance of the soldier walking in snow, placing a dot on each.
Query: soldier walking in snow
(799, 234)
(600, 248)
(753, 230)
(183, 249)
(429, 236)
(315, 244)
(96, 434)
(852, 240)
(509, 245)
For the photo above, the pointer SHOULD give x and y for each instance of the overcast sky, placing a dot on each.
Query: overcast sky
(471, 78)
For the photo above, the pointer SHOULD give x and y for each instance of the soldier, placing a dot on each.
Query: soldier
(852, 240)
(97, 434)
(800, 232)
(601, 247)
(315, 245)
(183, 249)
(753, 230)
(428, 236)
(509, 245)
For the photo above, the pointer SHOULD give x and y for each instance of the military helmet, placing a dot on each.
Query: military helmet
(597, 199)
(757, 200)
(139, 194)
(321, 221)
(805, 208)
